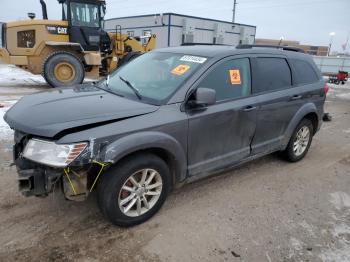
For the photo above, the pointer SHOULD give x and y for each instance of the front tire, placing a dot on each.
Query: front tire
(300, 141)
(63, 69)
(134, 190)
(129, 57)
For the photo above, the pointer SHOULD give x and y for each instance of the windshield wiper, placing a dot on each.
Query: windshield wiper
(107, 87)
(137, 92)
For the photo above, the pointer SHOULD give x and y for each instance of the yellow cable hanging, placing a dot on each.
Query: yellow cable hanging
(67, 171)
(70, 181)
(103, 165)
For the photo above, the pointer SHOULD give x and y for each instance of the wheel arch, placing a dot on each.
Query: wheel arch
(312, 116)
(162, 145)
(308, 111)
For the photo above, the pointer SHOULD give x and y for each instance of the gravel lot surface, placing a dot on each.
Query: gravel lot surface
(267, 210)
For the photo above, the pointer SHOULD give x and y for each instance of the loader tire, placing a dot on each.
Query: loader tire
(63, 69)
(129, 57)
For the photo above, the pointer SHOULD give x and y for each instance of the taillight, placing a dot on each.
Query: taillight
(326, 88)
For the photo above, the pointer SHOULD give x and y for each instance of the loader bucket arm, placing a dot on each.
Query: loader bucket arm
(151, 44)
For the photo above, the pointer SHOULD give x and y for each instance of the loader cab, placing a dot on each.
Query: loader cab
(85, 22)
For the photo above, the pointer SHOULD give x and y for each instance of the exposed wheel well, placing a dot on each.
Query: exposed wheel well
(314, 120)
(163, 154)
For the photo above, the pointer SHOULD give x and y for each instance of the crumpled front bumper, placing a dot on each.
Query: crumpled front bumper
(37, 182)
(77, 180)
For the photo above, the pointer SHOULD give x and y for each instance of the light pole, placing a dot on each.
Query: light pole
(281, 40)
(234, 11)
(332, 34)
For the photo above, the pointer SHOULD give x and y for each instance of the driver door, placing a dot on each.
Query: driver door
(220, 135)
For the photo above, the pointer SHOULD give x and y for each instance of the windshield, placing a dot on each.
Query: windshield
(83, 14)
(154, 77)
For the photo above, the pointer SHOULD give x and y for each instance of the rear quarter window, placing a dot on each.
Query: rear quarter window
(304, 73)
(270, 74)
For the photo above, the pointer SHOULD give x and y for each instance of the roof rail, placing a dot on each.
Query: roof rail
(191, 44)
(287, 48)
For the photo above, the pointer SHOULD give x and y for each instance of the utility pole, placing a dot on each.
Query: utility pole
(332, 34)
(234, 11)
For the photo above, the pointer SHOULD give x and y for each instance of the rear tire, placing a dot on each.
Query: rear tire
(113, 197)
(300, 141)
(63, 69)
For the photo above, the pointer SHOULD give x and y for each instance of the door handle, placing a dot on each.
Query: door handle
(296, 97)
(249, 108)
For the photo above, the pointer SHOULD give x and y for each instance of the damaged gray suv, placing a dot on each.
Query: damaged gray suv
(169, 117)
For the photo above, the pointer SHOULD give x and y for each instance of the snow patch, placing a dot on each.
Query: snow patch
(344, 96)
(340, 229)
(11, 75)
(296, 244)
(340, 254)
(340, 200)
(296, 247)
(307, 227)
(6, 132)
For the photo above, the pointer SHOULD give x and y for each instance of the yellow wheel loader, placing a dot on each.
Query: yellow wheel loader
(65, 51)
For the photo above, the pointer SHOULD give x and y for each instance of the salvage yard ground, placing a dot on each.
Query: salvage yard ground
(267, 210)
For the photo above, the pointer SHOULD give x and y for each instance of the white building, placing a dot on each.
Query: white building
(175, 29)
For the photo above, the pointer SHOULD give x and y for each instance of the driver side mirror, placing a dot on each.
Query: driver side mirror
(204, 97)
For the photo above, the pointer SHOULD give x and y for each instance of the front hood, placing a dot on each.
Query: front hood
(51, 112)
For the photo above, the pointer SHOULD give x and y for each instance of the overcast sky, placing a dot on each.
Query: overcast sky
(307, 21)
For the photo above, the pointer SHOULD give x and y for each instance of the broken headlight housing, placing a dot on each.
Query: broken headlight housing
(52, 154)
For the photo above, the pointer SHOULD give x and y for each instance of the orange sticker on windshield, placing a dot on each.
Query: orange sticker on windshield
(180, 70)
(235, 76)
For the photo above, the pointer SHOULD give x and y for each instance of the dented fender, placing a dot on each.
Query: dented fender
(147, 140)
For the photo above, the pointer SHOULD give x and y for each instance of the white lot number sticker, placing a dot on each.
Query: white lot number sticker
(193, 59)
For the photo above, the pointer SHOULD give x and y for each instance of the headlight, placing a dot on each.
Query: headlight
(52, 154)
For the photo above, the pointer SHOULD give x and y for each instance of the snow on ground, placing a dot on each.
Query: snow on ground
(6, 132)
(11, 75)
(15, 83)
(340, 91)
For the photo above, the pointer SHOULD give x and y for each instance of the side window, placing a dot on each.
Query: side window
(26, 39)
(230, 79)
(130, 33)
(304, 73)
(271, 74)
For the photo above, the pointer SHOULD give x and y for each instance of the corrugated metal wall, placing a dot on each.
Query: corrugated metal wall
(185, 28)
(329, 65)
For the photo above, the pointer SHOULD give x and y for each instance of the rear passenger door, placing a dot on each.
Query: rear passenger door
(277, 101)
